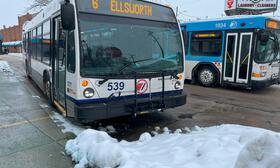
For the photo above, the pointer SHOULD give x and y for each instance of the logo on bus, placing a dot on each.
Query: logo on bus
(233, 24)
(142, 86)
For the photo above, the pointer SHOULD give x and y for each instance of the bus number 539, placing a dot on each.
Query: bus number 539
(115, 86)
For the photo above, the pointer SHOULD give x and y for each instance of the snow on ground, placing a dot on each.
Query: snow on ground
(16, 54)
(66, 125)
(225, 146)
(4, 67)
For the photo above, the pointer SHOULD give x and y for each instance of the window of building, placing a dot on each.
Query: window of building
(71, 62)
(46, 43)
(206, 44)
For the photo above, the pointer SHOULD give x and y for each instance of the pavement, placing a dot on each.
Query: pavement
(30, 139)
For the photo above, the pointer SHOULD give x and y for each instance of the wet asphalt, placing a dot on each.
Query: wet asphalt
(29, 138)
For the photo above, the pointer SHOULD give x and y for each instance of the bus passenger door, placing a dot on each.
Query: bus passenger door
(58, 63)
(237, 57)
(230, 56)
(244, 57)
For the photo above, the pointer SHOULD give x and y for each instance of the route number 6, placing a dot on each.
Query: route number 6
(95, 4)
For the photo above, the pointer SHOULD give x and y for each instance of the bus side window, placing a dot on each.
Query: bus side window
(71, 63)
(24, 42)
(39, 44)
(34, 43)
(206, 44)
(28, 43)
(46, 43)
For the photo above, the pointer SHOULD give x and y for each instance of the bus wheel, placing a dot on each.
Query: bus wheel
(26, 71)
(47, 90)
(207, 77)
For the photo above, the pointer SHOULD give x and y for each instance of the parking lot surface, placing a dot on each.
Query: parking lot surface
(29, 138)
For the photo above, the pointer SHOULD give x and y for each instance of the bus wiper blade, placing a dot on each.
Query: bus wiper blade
(150, 33)
(103, 81)
(133, 62)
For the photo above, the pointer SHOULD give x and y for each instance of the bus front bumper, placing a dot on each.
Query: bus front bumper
(265, 83)
(98, 111)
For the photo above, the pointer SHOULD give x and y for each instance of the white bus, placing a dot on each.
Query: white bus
(99, 59)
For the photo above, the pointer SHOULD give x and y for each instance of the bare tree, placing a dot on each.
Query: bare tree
(38, 4)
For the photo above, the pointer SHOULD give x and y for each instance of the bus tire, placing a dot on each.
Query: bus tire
(26, 71)
(47, 88)
(207, 77)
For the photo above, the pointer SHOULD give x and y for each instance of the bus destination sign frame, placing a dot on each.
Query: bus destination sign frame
(128, 8)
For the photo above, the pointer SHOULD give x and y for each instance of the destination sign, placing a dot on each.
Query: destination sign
(206, 35)
(128, 8)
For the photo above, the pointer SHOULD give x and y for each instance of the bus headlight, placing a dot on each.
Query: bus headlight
(88, 93)
(263, 74)
(177, 85)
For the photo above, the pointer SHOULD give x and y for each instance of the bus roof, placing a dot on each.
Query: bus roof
(229, 23)
(44, 14)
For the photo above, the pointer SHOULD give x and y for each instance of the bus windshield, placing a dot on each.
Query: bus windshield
(267, 49)
(119, 46)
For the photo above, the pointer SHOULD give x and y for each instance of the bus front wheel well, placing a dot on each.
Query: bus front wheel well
(206, 66)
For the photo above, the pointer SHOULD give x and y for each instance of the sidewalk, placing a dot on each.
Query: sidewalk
(29, 138)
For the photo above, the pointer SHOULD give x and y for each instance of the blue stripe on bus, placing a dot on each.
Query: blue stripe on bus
(106, 100)
(256, 22)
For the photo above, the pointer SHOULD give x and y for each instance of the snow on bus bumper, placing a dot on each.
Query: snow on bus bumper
(117, 107)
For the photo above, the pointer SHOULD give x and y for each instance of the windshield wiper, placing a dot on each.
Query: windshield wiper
(123, 68)
(150, 33)
(133, 62)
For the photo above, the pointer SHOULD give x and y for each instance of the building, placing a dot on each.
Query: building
(12, 36)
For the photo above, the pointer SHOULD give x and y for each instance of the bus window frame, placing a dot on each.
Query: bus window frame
(130, 19)
(256, 45)
(185, 34)
(50, 45)
(205, 32)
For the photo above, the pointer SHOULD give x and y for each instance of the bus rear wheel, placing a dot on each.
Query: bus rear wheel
(47, 90)
(207, 77)
(26, 70)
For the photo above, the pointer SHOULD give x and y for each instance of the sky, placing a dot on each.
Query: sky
(188, 9)
(10, 10)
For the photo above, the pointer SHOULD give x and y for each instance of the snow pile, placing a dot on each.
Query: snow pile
(96, 148)
(225, 146)
(262, 152)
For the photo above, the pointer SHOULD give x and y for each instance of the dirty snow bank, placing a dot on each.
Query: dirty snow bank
(225, 146)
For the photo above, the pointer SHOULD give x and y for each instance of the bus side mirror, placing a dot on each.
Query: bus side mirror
(68, 16)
